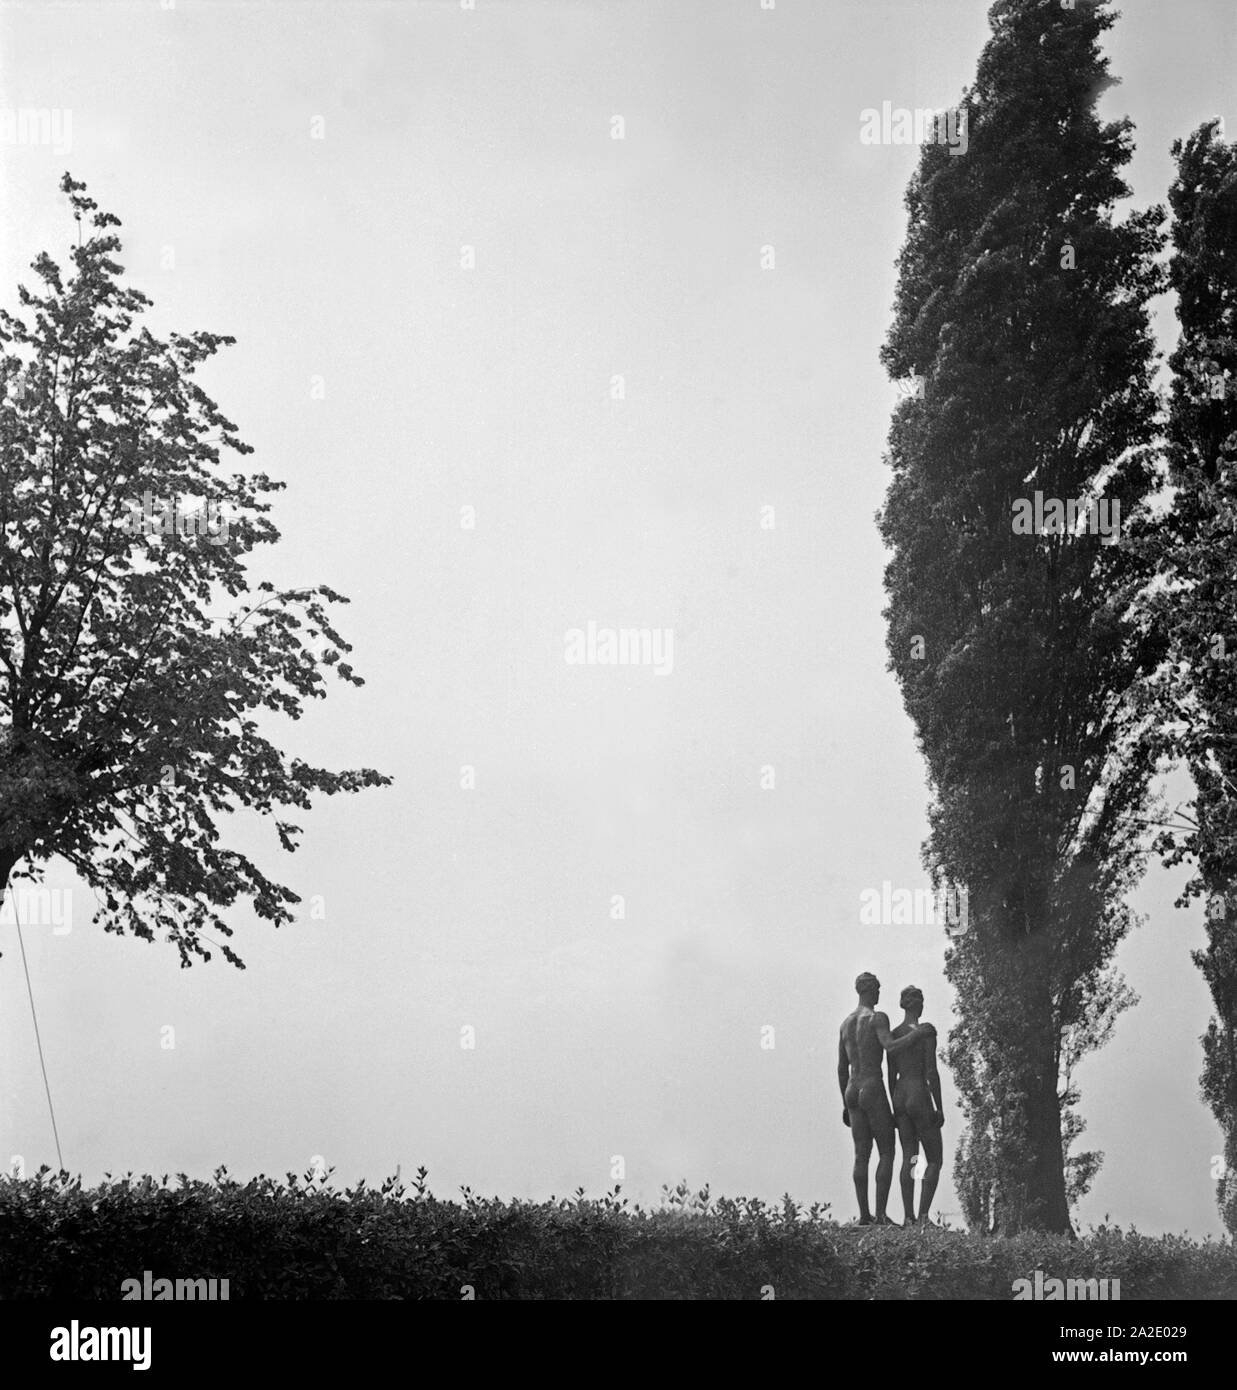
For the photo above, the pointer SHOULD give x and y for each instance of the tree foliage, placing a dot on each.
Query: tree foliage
(137, 671)
(1195, 695)
(1022, 307)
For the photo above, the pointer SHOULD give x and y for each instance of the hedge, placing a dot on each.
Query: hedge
(303, 1239)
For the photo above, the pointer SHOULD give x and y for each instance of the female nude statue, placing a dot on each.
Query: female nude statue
(915, 1085)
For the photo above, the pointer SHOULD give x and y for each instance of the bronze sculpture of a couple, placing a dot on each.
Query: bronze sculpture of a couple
(914, 1086)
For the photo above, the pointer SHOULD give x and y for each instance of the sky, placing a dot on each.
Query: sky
(605, 923)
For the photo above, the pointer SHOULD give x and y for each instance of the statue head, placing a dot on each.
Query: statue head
(911, 999)
(868, 988)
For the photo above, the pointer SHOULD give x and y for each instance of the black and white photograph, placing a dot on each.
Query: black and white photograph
(618, 672)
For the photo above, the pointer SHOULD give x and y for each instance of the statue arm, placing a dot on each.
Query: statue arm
(880, 1023)
(843, 1076)
(934, 1079)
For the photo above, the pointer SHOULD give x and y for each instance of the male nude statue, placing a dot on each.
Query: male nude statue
(915, 1085)
(864, 1040)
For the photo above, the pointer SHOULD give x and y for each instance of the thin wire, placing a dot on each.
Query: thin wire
(38, 1040)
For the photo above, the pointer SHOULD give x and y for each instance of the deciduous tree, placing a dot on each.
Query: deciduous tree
(138, 670)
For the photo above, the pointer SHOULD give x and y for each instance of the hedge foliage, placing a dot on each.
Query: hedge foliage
(304, 1239)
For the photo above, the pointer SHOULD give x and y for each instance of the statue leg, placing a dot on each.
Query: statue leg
(932, 1151)
(909, 1142)
(861, 1131)
(880, 1117)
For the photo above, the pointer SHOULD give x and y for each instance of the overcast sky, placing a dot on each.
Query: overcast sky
(391, 388)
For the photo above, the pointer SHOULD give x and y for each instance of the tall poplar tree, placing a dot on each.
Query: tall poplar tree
(1021, 309)
(1196, 695)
